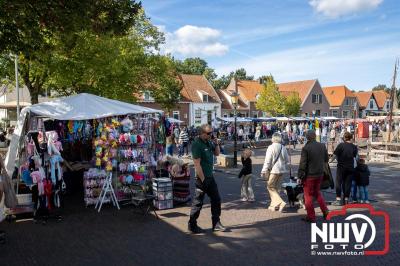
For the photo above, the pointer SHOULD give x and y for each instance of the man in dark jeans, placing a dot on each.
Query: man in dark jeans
(345, 153)
(203, 151)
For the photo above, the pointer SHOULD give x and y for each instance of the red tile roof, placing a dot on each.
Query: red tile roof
(363, 98)
(380, 97)
(301, 87)
(192, 84)
(336, 94)
(249, 89)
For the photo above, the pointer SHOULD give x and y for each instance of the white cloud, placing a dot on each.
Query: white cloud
(349, 62)
(194, 41)
(337, 8)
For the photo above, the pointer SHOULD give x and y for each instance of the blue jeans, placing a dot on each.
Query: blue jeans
(363, 193)
(182, 148)
(170, 149)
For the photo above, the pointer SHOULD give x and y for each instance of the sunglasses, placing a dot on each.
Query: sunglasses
(209, 133)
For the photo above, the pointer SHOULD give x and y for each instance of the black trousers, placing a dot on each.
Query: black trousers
(343, 181)
(209, 187)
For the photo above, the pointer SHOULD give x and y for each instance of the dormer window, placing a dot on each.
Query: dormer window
(203, 96)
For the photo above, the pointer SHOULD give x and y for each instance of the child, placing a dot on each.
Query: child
(247, 193)
(362, 180)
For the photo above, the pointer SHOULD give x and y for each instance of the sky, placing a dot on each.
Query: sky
(339, 42)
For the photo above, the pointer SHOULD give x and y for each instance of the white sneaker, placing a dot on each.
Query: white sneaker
(366, 201)
(243, 199)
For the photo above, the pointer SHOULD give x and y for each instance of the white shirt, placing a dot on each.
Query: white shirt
(280, 166)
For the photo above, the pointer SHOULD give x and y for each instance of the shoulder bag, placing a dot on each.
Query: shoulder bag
(276, 159)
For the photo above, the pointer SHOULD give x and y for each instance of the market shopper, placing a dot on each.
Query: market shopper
(345, 154)
(246, 191)
(275, 166)
(203, 151)
(311, 171)
(183, 142)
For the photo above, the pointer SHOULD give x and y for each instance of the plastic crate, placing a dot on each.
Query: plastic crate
(162, 182)
(24, 199)
(163, 195)
(163, 204)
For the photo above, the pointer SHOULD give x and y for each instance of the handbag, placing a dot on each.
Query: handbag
(276, 160)
(327, 180)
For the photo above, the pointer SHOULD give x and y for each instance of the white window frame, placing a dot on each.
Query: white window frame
(146, 96)
(205, 95)
(197, 116)
(176, 114)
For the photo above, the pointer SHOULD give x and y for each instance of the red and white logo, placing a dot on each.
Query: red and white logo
(357, 233)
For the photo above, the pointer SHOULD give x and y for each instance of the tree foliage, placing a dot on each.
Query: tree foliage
(381, 87)
(270, 100)
(292, 104)
(109, 50)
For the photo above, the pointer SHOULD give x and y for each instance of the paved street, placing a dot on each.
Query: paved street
(256, 237)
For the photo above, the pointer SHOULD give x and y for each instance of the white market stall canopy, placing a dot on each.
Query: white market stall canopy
(85, 106)
(232, 119)
(82, 106)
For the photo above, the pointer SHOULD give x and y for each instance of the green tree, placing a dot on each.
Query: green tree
(196, 66)
(37, 32)
(270, 100)
(381, 87)
(292, 104)
(241, 74)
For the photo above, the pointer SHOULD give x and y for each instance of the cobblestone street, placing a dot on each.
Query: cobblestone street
(256, 236)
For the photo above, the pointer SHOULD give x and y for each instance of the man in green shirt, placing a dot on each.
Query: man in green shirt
(203, 151)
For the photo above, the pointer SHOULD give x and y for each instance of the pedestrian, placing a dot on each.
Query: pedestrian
(345, 154)
(293, 139)
(275, 166)
(311, 172)
(245, 174)
(258, 132)
(169, 145)
(362, 174)
(183, 142)
(241, 133)
(203, 151)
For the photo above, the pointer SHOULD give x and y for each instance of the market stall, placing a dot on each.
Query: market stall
(118, 142)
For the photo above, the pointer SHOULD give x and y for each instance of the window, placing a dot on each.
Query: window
(317, 112)
(345, 114)
(147, 96)
(317, 98)
(325, 114)
(225, 115)
(175, 114)
(264, 114)
(306, 114)
(335, 113)
(387, 105)
(197, 116)
(255, 114)
(371, 104)
(185, 116)
(205, 98)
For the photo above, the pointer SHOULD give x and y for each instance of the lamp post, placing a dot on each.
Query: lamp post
(234, 101)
